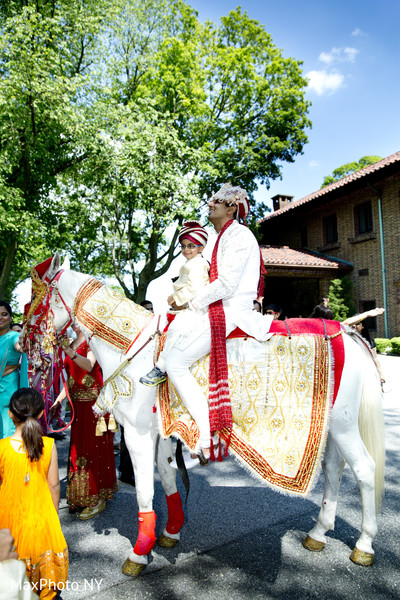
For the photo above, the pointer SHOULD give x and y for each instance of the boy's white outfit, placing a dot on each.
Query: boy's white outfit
(193, 277)
(238, 259)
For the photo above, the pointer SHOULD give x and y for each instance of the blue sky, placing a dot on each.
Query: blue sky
(350, 53)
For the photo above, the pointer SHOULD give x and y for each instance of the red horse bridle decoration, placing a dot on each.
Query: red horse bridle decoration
(40, 338)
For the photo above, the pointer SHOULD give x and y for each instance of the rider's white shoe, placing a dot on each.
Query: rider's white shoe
(190, 462)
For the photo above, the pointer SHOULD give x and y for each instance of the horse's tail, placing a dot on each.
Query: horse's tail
(370, 419)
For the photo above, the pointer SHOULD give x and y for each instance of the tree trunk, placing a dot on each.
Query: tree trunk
(6, 268)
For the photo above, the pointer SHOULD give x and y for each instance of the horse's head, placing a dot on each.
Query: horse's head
(46, 311)
(59, 301)
(41, 320)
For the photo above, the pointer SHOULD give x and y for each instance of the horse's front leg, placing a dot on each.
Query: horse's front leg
(141, 446)
(176, 516)
(332, 465)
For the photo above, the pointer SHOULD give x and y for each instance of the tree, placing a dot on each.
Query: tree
(341, 300)
(349, 168)
(212, 104)
(229, 90)
(226, 93)
(146, 185)
(45, 57)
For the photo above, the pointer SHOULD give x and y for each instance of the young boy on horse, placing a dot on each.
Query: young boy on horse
(193, 276)
(234, 280)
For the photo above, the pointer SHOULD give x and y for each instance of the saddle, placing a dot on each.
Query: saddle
(281, 394)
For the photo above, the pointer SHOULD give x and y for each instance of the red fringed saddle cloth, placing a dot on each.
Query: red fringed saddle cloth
(319, 327)
(281, 393)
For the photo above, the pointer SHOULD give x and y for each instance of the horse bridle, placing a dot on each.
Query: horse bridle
(53, 284)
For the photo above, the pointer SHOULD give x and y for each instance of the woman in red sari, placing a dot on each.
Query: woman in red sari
(91, 469)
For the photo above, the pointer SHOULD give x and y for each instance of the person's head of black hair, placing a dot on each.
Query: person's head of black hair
(321, 312)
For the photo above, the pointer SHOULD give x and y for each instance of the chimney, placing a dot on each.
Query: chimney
(280, 201)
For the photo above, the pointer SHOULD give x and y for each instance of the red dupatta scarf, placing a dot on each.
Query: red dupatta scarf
(219, 399)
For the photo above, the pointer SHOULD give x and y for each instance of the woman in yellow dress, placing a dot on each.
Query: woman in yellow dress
(29, 496)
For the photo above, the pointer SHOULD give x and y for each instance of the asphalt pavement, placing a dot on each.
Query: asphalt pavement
(242, 540)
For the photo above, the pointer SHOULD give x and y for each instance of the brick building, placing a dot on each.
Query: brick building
(350, 226)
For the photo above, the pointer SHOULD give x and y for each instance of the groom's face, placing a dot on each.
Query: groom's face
(220, 210)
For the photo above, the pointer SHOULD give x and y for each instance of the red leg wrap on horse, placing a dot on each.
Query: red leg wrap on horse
(146, 537)
(176, 516)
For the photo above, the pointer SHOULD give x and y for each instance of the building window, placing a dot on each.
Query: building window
(330, 233)
(363, 218)
(363, 272)
(303, 237)
(371, 322)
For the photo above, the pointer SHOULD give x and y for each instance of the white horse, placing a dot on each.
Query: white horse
(356, 416)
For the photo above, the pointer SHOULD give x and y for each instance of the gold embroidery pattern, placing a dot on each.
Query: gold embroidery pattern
(109, 315)
(119, 387)
(82, 394)
(39, 291)
(78, 487)
(88, 380)
(52, 566)
(280, 403)
(78, 483)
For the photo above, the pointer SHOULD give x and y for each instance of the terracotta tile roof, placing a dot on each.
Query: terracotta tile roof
(393, 158)
(288, 257)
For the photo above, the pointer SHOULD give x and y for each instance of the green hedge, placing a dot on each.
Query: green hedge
(395, 345)
(384, 345)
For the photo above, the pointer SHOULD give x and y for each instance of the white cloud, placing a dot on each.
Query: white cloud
(328, 57)
(323, 82)
(338, 55)
(313, 164)
(357, 32)
(350, 54)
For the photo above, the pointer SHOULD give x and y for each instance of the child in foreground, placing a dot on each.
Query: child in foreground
(30, 494)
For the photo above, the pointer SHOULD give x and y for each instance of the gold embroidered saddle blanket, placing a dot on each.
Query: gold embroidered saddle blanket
(281, 391)
(109, 315)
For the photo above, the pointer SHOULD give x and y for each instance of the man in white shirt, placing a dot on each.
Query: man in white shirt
(236, 267)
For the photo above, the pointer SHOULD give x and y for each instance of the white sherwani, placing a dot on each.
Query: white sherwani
(193, 277)
(238, 259)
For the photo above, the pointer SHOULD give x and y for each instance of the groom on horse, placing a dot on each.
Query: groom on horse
(235, 276)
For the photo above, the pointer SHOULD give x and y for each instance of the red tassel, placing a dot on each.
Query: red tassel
(220, 458)
(212, 455)
(261, 282)
(227, 442)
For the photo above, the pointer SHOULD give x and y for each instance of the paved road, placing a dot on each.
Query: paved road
(241, 540)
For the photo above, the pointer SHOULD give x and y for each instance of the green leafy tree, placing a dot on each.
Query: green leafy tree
(349, 168)
(146, 185)
(120, 116)
(229, 89)
(341, 298)
(226, 92)
(45, 57)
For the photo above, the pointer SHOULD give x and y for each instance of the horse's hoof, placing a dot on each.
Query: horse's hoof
(313, 545)
(166, 542)
(365, 559)
(131, 568)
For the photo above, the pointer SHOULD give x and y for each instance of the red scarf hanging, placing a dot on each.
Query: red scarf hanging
(219, 400)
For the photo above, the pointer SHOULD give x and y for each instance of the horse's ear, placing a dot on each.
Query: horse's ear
(66, 264)
(54, 266)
